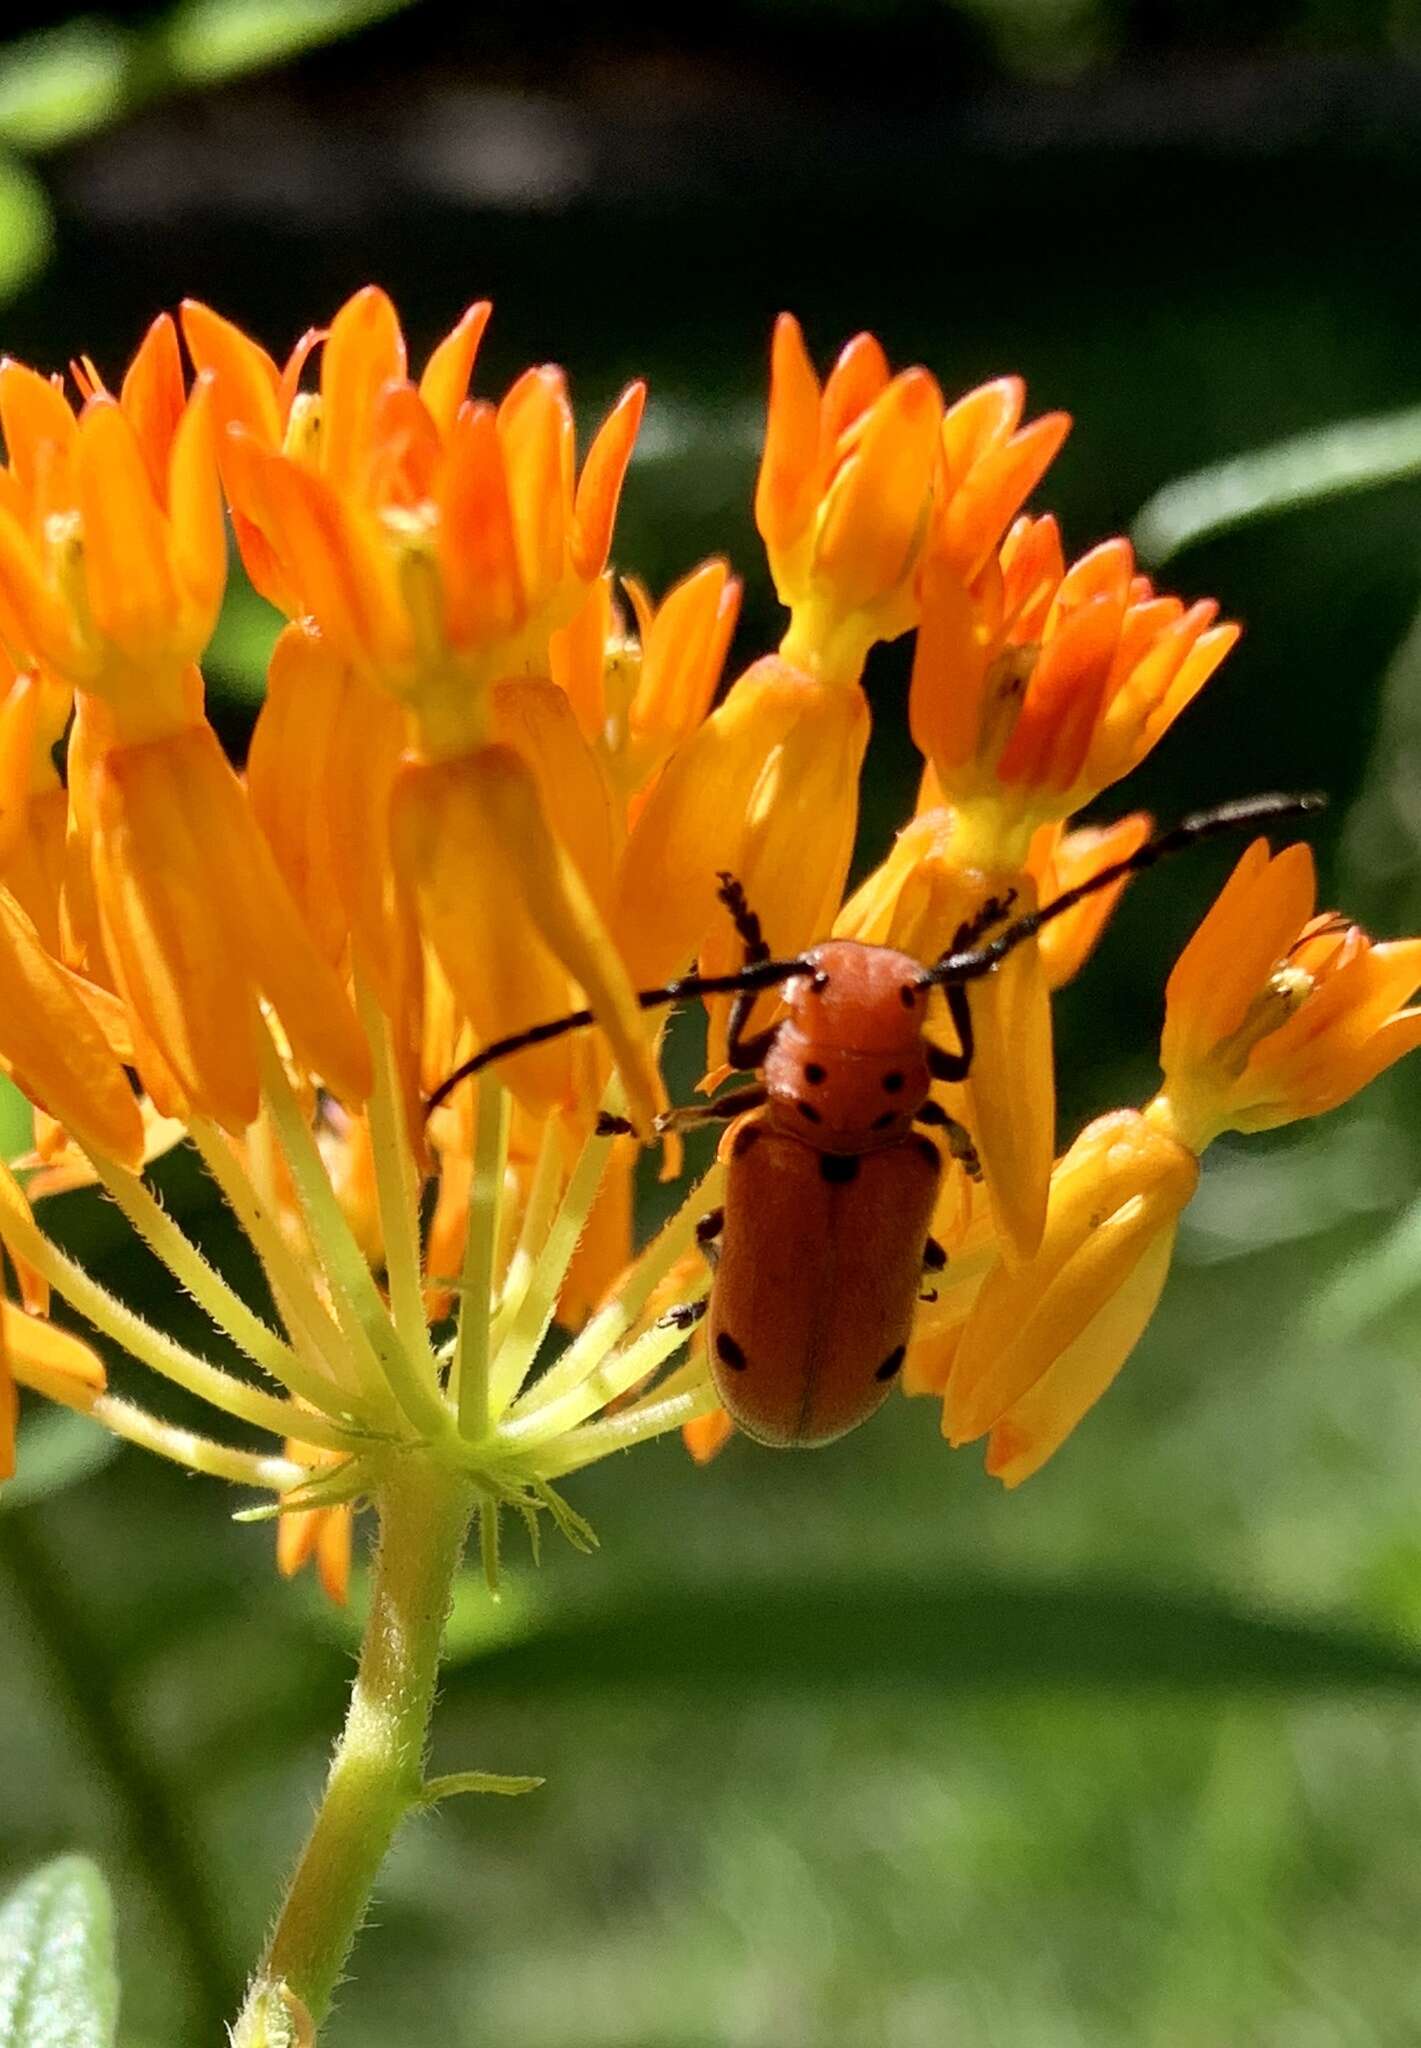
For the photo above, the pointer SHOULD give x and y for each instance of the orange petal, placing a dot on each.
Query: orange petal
(856, 380)
(1064, 698)
(289, 777)
(683, 654)
(772, 775)
(51, 1045)
(37, 1351)
(1074, 857)
(1010, 1095)
(1036, 1425)
(1262, 908)
(478, 547)
(980, 420)
(248, 383)
(788, 483)
(537, 720)
(600, 485)
(499, 899)
(1120, 1186)
(19, 729)
(130, 584)
(364, 352)
(577, 658)
(707, 1435)
(198, 534)
(446, 374)
(34, 619)
(152, 398)
(35, 416)
(535, 434)
(875, 507)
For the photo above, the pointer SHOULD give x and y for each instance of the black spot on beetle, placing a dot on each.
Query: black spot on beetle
(891, 1363)
(892, 1082)
(838, 1167)
(809, 1112)
(745, 1137)
(881, 1123)
(813, 1072)
(729, 1352)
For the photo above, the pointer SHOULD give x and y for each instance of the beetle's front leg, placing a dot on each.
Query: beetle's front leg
(686, 1114)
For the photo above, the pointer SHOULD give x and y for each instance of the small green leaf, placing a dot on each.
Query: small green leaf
(456, 1783)
(1353, 455)
(61, 84)
(58, 1988)
(26, 227)
(209, 40)
(57, 1448)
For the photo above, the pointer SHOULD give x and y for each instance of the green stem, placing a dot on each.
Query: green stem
(377, 1773)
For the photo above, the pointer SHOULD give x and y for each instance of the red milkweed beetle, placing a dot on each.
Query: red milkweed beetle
(820, 1249)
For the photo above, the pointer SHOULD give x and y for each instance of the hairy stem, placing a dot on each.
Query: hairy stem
(377, 1772)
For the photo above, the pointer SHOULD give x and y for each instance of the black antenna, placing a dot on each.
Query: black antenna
(972, 964)
(764, 974)
(951, 967)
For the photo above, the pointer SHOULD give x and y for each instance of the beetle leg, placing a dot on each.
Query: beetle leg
(955, 1066)
(707, 1235)
(719, 1111)
(745, 1053)
(685, 1315)
(959, 1138)
(609, 1126)
(934, 1257)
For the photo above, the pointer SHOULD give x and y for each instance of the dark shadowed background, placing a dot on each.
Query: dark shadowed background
(852, 1748)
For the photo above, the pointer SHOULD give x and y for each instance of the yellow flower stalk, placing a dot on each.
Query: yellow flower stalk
(491, 795)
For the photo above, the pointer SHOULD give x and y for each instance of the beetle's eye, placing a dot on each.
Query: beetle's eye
(819, 981)
(909, 994)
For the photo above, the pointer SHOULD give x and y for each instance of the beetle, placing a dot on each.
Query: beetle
(834, 1165)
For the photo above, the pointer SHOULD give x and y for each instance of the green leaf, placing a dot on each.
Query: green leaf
(62, 84)
(57, 1448)
(457, 1783)
(981, 1633)
(207, 40)
(241, 647)
(1354, 455)
(26, 227)
(58, 1988)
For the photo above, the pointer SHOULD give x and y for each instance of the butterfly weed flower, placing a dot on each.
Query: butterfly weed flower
(491, 785)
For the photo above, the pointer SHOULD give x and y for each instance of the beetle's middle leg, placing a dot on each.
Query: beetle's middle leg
(959, 1138)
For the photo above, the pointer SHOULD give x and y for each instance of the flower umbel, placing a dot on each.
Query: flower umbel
(490, 791)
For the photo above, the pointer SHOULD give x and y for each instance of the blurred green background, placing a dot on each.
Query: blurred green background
(850, 1749)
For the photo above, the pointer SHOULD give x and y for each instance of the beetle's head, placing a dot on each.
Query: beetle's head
(848, 1068)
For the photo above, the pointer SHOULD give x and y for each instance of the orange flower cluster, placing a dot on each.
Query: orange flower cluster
(487, 788)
